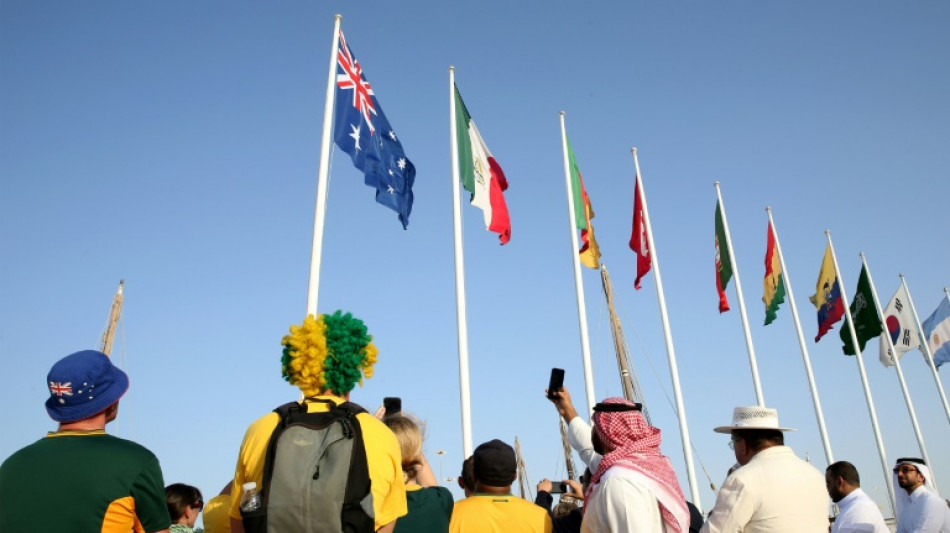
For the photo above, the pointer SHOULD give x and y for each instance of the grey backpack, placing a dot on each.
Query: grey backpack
(316, 478)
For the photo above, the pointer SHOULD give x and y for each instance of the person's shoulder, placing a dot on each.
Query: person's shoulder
(124, 446)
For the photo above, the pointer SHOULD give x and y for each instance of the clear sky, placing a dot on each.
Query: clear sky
(175, 145)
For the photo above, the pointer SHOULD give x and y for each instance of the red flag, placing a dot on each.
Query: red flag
(638, 238)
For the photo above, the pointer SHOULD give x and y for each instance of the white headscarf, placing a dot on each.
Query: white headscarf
(903, 499)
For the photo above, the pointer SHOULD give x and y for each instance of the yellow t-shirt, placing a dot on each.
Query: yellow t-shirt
(215, 514)
(383, 458)
(498, 513)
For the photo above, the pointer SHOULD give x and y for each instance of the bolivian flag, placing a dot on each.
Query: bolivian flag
(774, 279)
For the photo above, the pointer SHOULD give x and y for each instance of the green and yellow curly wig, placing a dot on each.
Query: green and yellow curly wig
(328, 353)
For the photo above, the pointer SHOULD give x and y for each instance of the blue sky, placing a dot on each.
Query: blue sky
(175, 145)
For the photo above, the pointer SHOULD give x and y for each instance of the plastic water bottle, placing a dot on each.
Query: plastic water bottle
(250, 497)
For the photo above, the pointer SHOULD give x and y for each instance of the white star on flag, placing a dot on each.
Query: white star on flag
(389, 189)
(392, 135)
(401, 163)
(356, 135)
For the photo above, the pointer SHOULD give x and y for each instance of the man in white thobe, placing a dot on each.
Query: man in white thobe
(857, 512)
(773, 490)
(634, 487)
(624, 510)
(919, 508)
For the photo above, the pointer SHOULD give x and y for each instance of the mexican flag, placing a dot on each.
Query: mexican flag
(480, 173)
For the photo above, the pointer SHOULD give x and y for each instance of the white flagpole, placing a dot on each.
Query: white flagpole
(319, 216)
(864, 380)
(668, 336)
(745, 319)
(803, 345)
(897, 365)
(925, 348)
(578, 283)
(464, 392)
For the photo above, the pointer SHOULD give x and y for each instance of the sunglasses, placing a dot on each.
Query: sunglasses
(905, 469)
(199, 505)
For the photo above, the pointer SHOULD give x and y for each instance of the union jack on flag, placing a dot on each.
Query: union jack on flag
(360, 129)
(60, 389)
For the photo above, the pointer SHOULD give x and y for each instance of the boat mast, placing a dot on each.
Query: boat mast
(568, 454)
(109, 336)
(628, 375)
(522, 473)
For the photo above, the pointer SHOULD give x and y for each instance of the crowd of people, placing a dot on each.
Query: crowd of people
(326, 464)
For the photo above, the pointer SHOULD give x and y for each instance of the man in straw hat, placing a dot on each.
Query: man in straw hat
(325, 358)
(78, 478)
(772, 490)
(919, 508)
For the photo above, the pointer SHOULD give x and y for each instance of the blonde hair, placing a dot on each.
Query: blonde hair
(409, 435)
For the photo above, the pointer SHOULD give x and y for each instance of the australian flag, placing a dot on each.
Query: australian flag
(362, 131)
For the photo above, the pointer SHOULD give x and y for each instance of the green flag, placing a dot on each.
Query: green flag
(867, 324)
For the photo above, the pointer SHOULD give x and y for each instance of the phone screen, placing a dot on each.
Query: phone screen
(392, 405)
(558, 487)
(557, 381)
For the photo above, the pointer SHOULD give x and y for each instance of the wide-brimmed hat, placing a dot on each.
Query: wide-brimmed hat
(83, 384)
(753, 417)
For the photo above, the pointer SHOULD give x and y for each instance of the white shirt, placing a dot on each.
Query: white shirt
(859, 514)
(775, 492)
(925, 512)
(578, 436)
(619, 503)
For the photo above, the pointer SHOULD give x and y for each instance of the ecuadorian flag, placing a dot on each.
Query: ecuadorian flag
(827, 298)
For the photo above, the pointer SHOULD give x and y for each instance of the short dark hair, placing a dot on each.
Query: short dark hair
(468, 474)
(758, 439)
(845, 471)
(179, 497)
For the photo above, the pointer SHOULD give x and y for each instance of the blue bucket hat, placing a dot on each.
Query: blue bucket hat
(83, 384)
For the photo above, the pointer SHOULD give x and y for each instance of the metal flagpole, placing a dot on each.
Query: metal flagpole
(319, 216)
(745, 320)
(578, 283)
(464, 392)
(801, 343)
(925, 348)
(668, 336)
(864, 380)
(897, 365)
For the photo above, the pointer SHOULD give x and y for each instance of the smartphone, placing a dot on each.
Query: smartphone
(392, 405)
(557, 381)
(559, 487)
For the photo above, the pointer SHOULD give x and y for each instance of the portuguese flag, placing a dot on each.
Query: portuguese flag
(723, 264)
(480, 173)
